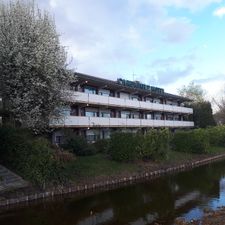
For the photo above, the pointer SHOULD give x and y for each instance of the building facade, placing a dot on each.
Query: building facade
(99, 107)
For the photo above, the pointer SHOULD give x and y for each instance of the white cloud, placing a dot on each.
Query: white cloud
(176, 30)
(109, 35)
(220, 12)
(114, 38)
(193, 5)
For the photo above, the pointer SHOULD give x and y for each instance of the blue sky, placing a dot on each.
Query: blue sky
(166, 43)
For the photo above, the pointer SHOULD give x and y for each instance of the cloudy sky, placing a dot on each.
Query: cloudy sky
(166, 43)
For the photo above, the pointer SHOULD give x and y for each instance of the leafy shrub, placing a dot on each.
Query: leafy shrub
(124, 147)
(102, 145)
(194, 141)
(31, 157)
(79, 146)
(39, 165)
(216, 135)
(13, 144)
(156, 144)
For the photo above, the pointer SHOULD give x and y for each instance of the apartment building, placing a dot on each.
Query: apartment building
(99, 107)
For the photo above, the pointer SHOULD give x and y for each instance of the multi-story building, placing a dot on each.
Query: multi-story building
(99, 106)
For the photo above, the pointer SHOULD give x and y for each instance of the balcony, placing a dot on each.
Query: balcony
(80, 97)
(82, 121)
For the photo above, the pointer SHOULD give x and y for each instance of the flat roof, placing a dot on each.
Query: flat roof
(114, 85)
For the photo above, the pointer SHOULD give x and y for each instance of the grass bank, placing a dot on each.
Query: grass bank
(100, 166)
(100, 173)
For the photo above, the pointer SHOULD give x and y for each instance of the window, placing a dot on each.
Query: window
(58, 140)
(125, 114)
(104, 92)
(135, 98)
(158, 116)
(169, 117)
(156, 101)
(105, 114)
(92, 138)
(89, 90)
(135, 115)
(91, 114)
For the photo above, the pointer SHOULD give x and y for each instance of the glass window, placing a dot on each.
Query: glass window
(58, 140)
(104, 92)
(92, 138)
(91, 114)
(105, 114)
(89, 90)
(125, 115)
(157, 116)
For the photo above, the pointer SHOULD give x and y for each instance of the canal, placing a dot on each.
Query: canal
(162, 200)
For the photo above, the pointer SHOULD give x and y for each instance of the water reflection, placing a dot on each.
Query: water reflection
(162, 200)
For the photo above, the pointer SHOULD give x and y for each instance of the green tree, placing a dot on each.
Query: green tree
(34, 77)
(202, 114)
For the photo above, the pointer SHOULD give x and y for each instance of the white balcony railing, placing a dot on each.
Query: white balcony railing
(82, 121)
(81, 97)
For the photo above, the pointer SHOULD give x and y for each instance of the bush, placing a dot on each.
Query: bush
(194, 141)
(31, 157)
(216, 136)
(156, 144)
(79, 146)
(124, 147)
(102, 145)
(14, 143)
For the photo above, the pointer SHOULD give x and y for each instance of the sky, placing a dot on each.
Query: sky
(163, 43)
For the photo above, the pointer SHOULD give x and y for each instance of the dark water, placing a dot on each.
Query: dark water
(162, 200)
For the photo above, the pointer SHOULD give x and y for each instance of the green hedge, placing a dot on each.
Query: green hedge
(124, 147)
(156, 144)
(194, 141)
(30, 156)
(102, 145)
(79, 146)
(216, 135)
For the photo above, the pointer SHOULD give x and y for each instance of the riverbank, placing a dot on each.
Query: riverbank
(210, 218)
(142, 171)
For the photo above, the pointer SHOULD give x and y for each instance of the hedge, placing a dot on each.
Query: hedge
(31, 157)
(79, 146)
(156, 144)
(216, 135)
(194, 141)
(124, 147)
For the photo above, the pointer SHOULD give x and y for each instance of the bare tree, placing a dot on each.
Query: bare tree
(192, 91)
(220, 114)
(34, 78)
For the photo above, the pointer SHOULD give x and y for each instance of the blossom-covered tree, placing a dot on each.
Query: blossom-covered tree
(34, 78)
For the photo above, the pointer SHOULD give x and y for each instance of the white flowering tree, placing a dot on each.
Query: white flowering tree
(33, 71)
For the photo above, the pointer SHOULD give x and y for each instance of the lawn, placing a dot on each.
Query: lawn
(87, 167)
(92, 166)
